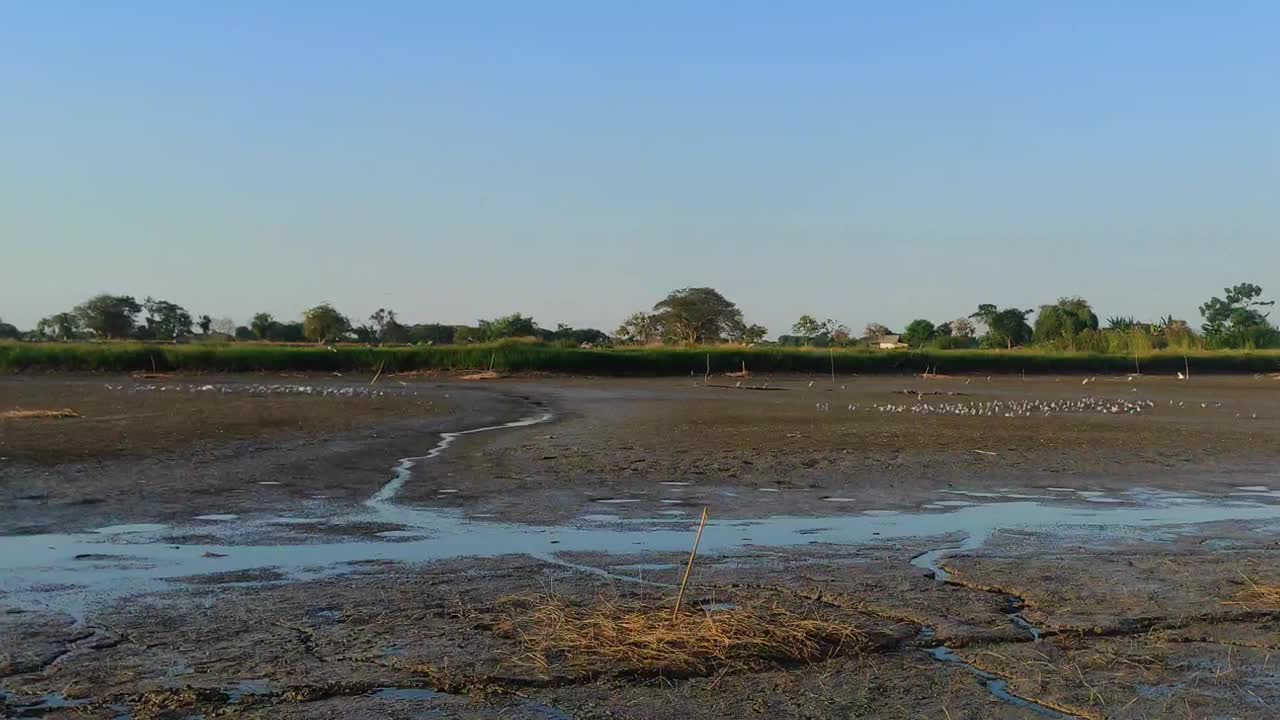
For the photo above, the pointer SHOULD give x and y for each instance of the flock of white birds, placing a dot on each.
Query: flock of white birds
(1009, 408)
(989, 408)
(344, 391)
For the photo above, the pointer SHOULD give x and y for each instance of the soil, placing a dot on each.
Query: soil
(339, 594)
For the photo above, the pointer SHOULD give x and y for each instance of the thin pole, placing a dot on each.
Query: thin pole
(832, 352)
(689, 568)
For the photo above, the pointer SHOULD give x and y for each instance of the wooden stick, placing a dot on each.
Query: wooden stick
(689, 568)
(831, 351)
(379, 373)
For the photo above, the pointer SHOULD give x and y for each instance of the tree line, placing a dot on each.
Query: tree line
(1238, 320)
(699, 315)
(122, 317)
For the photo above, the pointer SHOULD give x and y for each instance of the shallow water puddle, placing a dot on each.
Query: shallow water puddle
(130, 528)
(42, 569)
(30, 565)
(404, 468)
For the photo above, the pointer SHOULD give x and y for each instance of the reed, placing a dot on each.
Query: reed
(507, 357)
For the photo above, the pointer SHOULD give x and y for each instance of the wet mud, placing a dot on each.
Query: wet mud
(1086, 563)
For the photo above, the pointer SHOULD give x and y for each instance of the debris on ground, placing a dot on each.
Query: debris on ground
(35, 414)
(485, 375)
(627, 637)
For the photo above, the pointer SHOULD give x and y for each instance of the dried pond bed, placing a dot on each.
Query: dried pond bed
(1145, 618)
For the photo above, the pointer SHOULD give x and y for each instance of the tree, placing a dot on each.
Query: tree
(875, 331)
(744, 334)
(807, 326)
(204, 324)
(324, 324)
(464, 334)
(387, 329)
(61, 326)
(839, 334)
(1007, 327)
(243, 333)
(1177, 333)
(261, 325)
(639, 328)
(1237, 320)
(962, 327)
(8, 331)
(578, 336)
(431, 334)
(286, 332)
(820, 333)
(226, 326)
(697, 315)
(108, 316)
(1064, 320)
(513, 325)
(1120, 323)
(166, 320)
(919, 332)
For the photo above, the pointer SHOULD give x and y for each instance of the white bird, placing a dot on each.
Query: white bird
(810, 383)
(1181, 376)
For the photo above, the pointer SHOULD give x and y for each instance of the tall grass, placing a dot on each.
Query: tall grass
(662, 360)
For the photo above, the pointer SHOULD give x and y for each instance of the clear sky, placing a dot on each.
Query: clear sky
(577, 160)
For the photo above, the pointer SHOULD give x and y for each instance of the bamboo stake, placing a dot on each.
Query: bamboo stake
(689, 568)
(379, 373)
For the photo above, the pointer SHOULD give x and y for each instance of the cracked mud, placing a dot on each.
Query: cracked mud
(280, 553)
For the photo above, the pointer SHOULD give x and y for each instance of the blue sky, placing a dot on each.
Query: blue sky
(577, 160)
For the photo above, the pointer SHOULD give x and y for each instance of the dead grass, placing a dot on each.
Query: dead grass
(484, 375)
(614, 636)
(1258, 595)
(36, 414)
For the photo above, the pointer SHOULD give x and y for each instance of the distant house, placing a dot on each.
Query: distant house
(887, 342)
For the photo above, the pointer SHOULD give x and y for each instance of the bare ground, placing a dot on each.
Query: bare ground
(1145, 624)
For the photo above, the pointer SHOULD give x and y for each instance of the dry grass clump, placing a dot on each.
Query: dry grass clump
(483, 375)
(35, 414)
(615, 636)
(1258, 595)
(166, 702)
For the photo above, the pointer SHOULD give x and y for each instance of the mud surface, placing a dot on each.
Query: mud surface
(311, 547)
